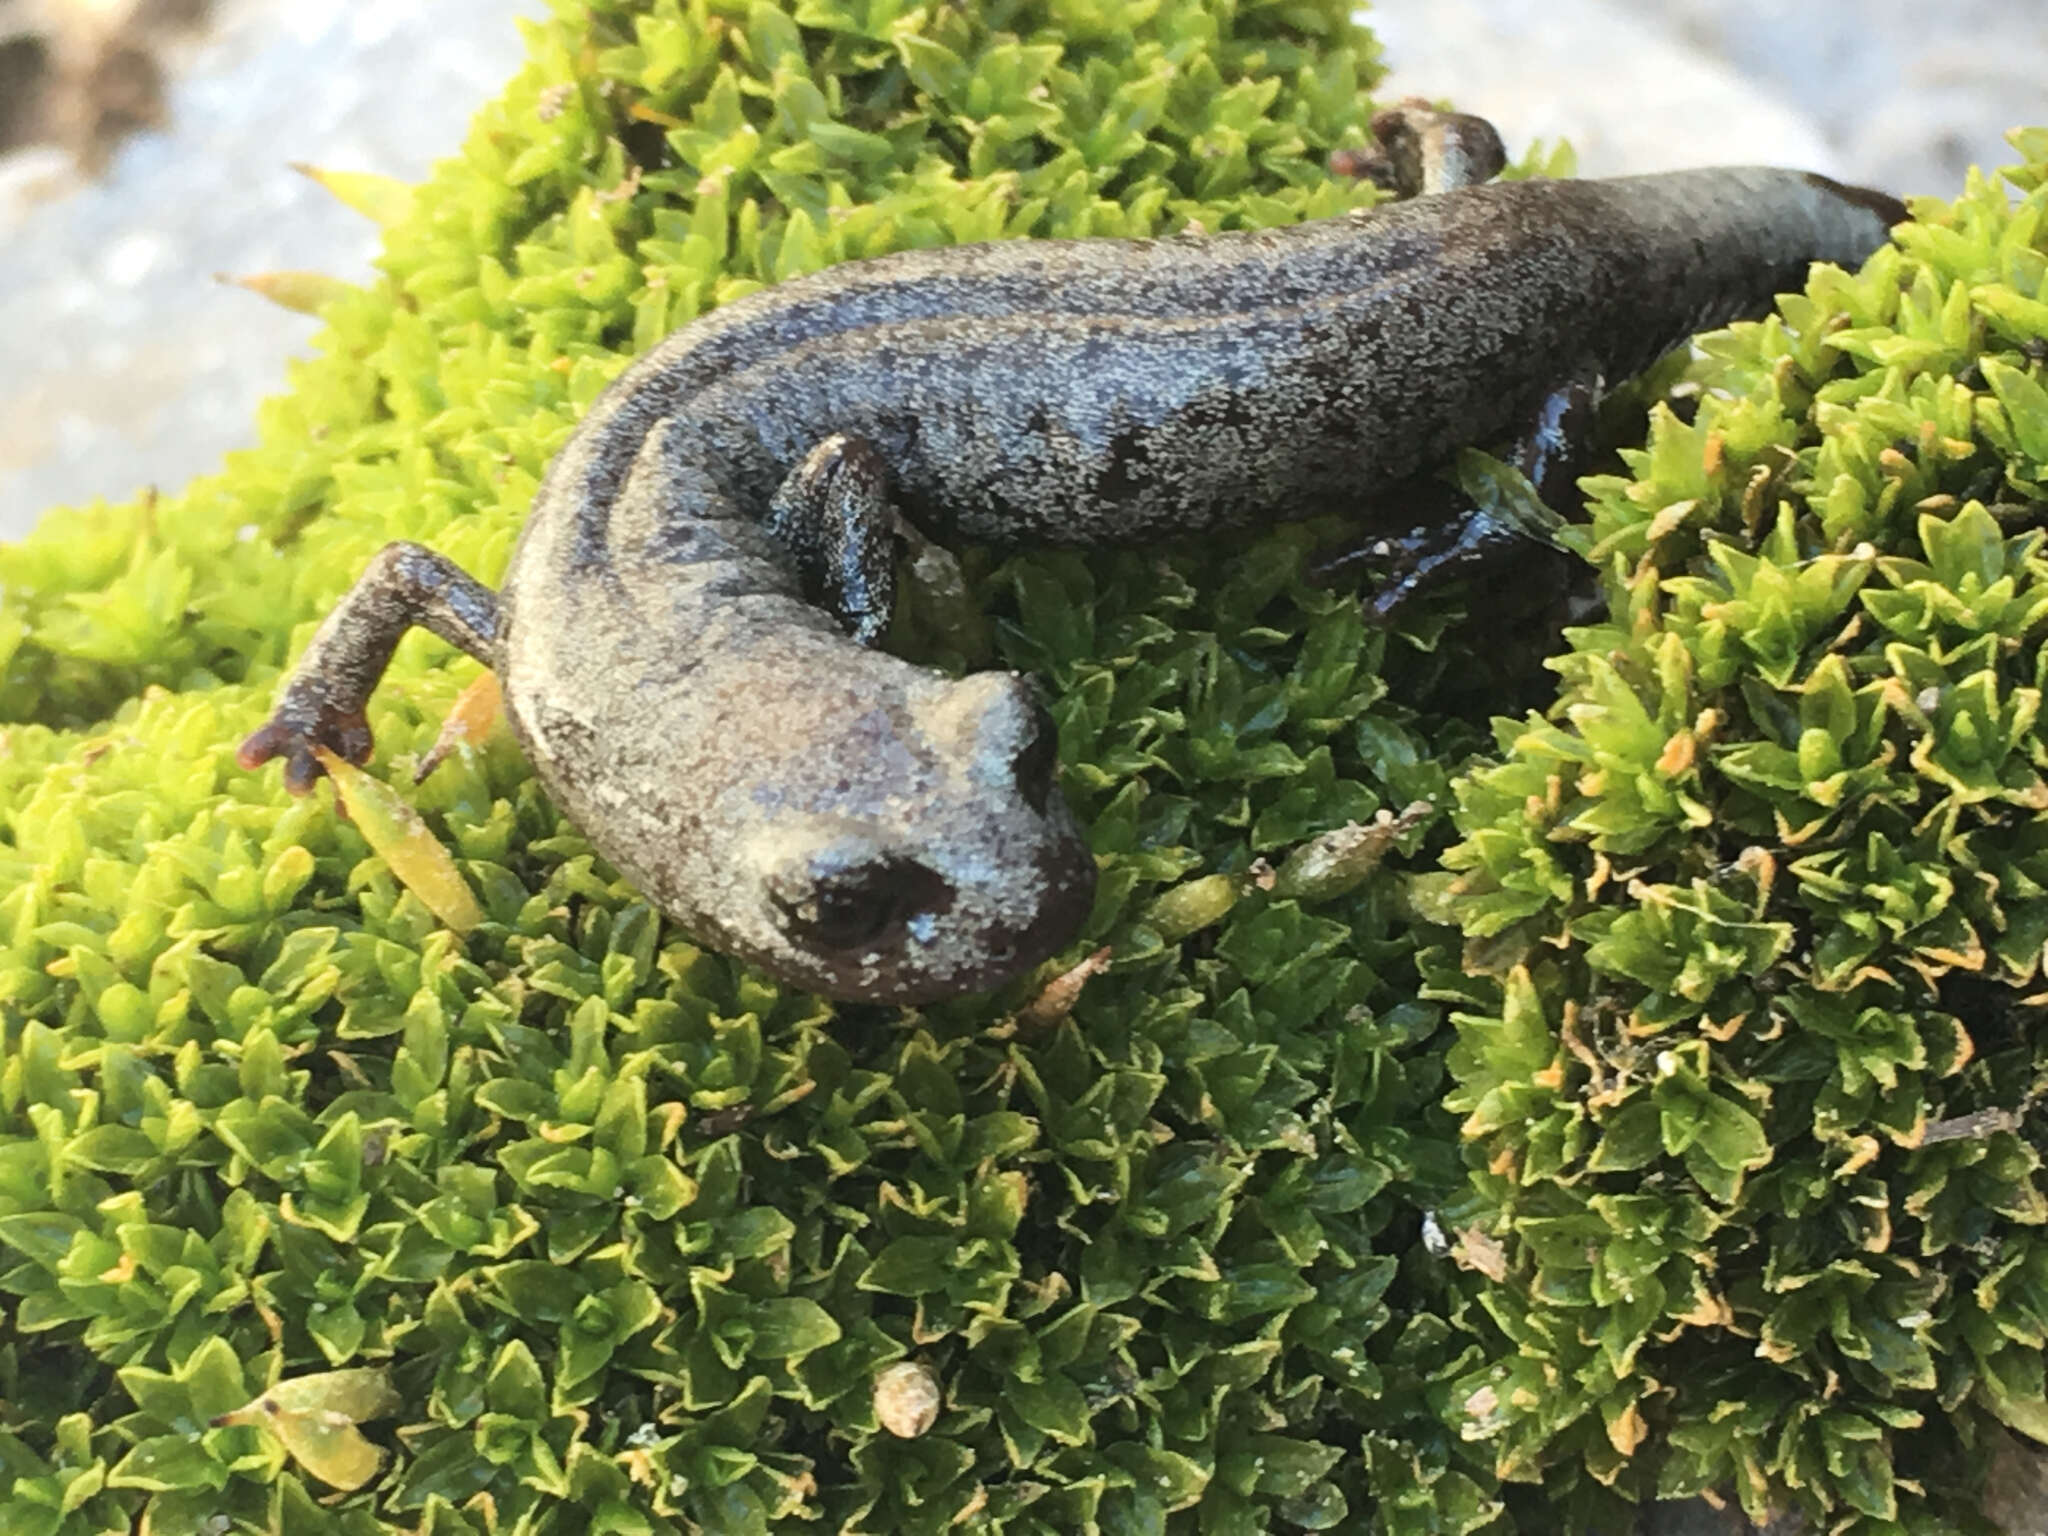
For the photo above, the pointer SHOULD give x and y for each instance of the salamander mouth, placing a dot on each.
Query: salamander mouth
(1066, 875)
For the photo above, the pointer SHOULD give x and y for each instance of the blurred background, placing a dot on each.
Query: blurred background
(146, 146)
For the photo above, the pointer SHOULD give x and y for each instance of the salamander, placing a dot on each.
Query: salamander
(686, 636)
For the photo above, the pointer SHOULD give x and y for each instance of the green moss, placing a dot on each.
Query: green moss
(632, 1230)
(1749, 1112)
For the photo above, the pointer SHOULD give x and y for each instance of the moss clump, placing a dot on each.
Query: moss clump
(627, 1235)
(1751, 1113)
(632, 1232)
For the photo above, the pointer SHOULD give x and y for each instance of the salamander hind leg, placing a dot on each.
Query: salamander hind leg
(833, 514)
(322, 702)
(1450, 537)
(1425, 559)
(1421, 151)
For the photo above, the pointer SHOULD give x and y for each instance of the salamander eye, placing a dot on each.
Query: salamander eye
(848, 912)
(1037, 760)
(854, 908)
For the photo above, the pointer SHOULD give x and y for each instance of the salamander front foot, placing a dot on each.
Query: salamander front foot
(302, 722)
(322, 704)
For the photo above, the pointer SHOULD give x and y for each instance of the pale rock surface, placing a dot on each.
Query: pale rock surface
(123, 363)
(1629, 95)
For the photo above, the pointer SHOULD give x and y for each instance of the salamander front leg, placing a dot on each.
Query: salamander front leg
(834, 516)
(322, 702)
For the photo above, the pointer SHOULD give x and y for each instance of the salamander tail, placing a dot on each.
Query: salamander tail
(1883, 204)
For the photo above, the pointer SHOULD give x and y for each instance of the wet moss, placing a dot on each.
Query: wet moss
(1750, 1101)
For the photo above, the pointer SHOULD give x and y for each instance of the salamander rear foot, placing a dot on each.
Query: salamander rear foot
(1420, 151)
(1418, 562)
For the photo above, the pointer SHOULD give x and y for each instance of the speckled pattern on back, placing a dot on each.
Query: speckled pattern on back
(722, 742)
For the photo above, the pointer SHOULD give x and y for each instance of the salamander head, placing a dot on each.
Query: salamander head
(852, 824)
(940, 857)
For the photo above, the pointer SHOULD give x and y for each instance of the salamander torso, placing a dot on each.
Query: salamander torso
(685, 634)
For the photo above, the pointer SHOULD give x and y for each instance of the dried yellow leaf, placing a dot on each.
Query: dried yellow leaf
(394, 829)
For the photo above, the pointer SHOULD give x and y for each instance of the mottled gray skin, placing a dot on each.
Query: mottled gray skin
(873, 830)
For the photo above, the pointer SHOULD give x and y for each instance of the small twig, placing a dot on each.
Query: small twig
(1984, 1123)
(1060, 994)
